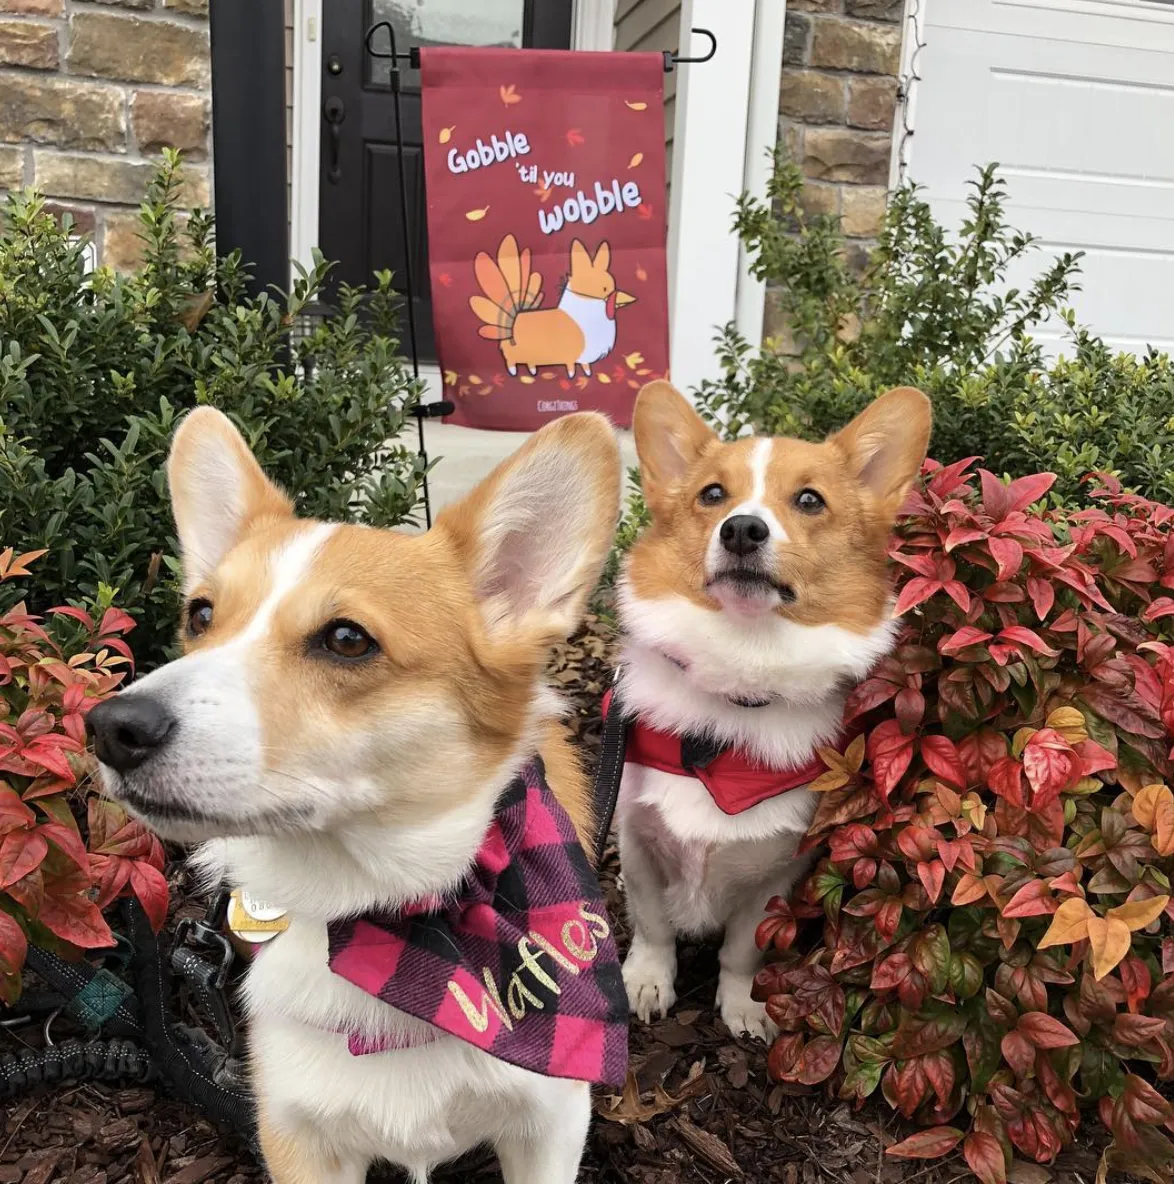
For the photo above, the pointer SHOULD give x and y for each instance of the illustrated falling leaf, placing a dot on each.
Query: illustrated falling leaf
(499, 380)
(636, 106)
(635, 161)
(477, 215)
(486, 390)
(604, 379)
(446, 134)
(543, 193)
(445, 279)
(474, 379)
(450, 378)
(641, 274)
(633, 360)
(574, 137)
(644, 210)
(527, 378)
(509, 95)
(581, 383)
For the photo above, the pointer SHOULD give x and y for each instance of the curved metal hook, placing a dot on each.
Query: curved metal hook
(705, 57)
(390, 37)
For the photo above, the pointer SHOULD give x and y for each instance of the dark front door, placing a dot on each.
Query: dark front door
(360, 211)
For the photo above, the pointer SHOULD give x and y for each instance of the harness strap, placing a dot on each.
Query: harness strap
(608, 772)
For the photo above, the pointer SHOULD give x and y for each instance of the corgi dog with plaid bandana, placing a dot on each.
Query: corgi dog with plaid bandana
(757, 596)
(359, 735)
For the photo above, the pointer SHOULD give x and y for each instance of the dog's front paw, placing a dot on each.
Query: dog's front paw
(741, 1014)
(649, 972)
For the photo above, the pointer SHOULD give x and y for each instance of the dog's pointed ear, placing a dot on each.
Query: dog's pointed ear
(580, 256)
(886, 444)
(670, 438)
(217, 489)
(534, 534)
(602, 260)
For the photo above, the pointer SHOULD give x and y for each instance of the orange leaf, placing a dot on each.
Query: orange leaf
(968, 890)
(1145, 804)
(1110, 943)
(832, 779)
(636, 106)
(1069, 924)
(1137, 914)
(509, 95)
(1164, 825)
(641, 274)
(574, 137)
(1070, 723)
(446, 134)
(854, 754)
(477, 215)
(604, 379)
(635, 161)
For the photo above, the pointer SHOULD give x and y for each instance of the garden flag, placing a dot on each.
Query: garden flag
(545, 174)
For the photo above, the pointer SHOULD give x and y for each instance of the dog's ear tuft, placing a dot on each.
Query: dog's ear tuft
(670, 438)
(886, 444)
(534, 534)
(217, 488)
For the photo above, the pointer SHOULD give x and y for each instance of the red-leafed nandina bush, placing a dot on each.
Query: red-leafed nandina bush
(56, 875)
(996, 951)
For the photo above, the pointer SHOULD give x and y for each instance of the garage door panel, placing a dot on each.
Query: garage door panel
(1075, 101)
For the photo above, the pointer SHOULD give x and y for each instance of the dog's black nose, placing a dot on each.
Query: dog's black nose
(129, 728)
(743, 534)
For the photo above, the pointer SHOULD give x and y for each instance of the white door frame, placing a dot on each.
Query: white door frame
(726, 124)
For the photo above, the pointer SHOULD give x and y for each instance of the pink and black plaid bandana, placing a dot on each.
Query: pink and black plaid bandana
(522, 963)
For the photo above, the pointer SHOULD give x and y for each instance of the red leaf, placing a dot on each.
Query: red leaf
(1032, 900)
(150, 887)
(46, 754)
(1045, 1032)
(77, 614)
(869, 694)
(985, 1158)
(929, 1144)
(817, 1062)
(1043, 596)
(1135, 977)
(917, 591)
(77, 920)
(1018, 1053)
(933, 876)
(67, 841)
(13, 944)
(1008, 554)
(941, 757)
(21, 852)
(909, 707)
(1001, 500)
(890, 752)
(114, 620)
(1051, 765)
(1021, 635)
(1006, 779)
(968, 635)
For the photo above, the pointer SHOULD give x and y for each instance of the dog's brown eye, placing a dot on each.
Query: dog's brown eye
(345, 639)
(712, 495)
(809, 501)
(199, 617)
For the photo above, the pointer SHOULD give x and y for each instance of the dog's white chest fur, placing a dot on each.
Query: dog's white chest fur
(707, 858)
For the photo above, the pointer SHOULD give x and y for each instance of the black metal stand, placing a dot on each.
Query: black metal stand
(394, 56)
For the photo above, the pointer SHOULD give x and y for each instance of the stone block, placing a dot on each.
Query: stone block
(189, 7)
(122, 246)
(872, 99)
(864, 210)
(117, 182)
(812, 97)
(84, 221)
(818, 198)
(129, 48)
(796, 39)
(837, 154)
(171, 119)
(39, 7)
(29, 43)
(11, 168)
(863, 49)
(61, 111)
(876, 10)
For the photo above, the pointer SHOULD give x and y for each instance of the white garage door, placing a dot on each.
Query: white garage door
(1075, 100)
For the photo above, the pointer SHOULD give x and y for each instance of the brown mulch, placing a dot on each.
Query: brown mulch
(701, 1108)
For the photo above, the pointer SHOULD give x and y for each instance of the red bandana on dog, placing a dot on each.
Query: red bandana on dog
(521, 964)
(735, 781)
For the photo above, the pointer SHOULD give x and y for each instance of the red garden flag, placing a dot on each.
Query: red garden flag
(545, 175)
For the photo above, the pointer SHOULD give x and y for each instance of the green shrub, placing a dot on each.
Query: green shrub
(95, 370)
(935, 311)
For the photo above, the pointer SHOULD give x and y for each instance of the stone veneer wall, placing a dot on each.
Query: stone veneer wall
(838, 97)
(90, 93)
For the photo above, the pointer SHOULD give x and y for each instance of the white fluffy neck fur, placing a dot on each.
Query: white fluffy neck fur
(806, 672)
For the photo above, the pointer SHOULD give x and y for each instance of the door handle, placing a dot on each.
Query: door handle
(334, 112)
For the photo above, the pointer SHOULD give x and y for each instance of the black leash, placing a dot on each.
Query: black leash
(606, 790)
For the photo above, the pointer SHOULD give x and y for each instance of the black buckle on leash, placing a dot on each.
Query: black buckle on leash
(208, 934)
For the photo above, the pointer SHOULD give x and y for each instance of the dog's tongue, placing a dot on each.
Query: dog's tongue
(611, 306)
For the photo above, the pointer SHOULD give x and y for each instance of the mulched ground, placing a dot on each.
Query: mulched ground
(701, 1108)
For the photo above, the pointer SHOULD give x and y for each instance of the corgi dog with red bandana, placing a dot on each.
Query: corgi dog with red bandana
(359, 733)
(753, 602)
